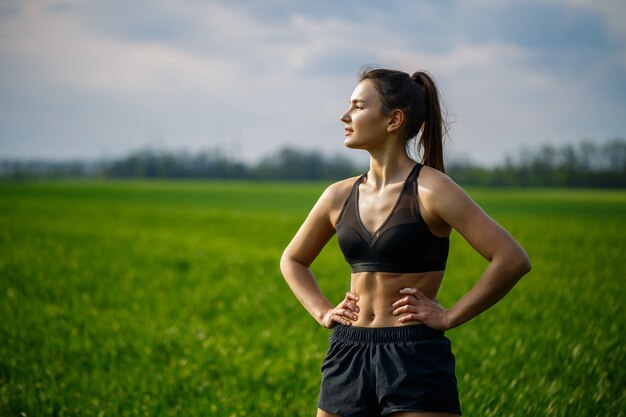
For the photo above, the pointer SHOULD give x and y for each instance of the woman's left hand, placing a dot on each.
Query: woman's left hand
(415, 306)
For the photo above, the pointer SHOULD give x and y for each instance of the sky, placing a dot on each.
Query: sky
(100, 79)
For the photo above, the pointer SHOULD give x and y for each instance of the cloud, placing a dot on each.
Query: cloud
(191, 73)
(58, 47)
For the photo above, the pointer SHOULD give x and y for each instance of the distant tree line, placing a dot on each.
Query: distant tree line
(286, 164)
(585, 164)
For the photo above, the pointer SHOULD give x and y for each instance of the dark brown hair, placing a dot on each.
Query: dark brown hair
(417, 97)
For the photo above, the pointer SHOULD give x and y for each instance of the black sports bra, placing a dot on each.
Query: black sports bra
(402, 244)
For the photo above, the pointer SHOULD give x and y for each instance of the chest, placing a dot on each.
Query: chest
(375, 207)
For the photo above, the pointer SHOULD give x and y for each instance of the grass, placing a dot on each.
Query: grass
(165, 298)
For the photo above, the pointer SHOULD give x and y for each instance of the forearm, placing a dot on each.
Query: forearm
(497, 280)
(304, 285)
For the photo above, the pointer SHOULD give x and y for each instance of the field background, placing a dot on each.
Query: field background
(165, 298)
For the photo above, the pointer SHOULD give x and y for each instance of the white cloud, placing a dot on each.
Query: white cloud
(228, 70)
(59, 48)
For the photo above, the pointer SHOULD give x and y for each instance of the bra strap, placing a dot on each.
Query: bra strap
(415, 172)
(349, 198)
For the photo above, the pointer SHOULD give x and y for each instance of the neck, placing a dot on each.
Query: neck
(388, 168)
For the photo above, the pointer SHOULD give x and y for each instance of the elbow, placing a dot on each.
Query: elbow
(515, 262)
(522, 264)
(288, 262)
(527, 265)
(284, 262)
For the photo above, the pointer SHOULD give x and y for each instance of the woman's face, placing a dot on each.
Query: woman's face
(364, 122)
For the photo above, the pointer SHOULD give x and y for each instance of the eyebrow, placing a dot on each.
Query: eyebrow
(358, 100)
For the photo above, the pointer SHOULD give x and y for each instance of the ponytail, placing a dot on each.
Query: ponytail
(433, 126)
(418, 98)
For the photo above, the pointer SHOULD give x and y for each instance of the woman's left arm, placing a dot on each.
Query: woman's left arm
(508, 262)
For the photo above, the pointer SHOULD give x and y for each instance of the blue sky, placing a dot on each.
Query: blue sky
(87, 79)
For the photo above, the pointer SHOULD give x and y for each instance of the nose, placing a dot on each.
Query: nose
(345, 117)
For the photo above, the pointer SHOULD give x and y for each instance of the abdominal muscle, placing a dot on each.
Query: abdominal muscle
(377, 291)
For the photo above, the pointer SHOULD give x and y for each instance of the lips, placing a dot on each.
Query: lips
(348, 131)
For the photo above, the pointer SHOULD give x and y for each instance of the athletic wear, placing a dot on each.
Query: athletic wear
(371, 372)
(377, 371)
(403, 243)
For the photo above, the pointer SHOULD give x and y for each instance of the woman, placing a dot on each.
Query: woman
(388, 354)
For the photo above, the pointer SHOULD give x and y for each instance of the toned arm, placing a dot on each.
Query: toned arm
(449, 204)
(306, 245)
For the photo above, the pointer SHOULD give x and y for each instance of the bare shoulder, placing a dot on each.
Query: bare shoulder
(441, 197)
(435, 184)
(335, 194)
(332, 200)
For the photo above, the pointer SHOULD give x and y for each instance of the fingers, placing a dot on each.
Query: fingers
(346, 312)
(413, 291)
(352, 296)
(410, 317)
(412, 307)
(404, 301)
(410, 312)
(339, 318)
(340, 315)
(407, 308)
(350, 301)
(413, 297)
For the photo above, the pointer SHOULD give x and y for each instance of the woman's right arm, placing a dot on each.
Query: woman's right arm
(306, 245)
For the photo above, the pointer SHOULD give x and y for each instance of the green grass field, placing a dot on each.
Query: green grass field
(165, 298)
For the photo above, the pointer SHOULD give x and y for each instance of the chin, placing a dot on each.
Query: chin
(351, 145)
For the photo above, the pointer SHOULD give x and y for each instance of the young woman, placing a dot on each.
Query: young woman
(388, 355)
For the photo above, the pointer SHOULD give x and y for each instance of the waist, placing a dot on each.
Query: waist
(377, 292)
(370, 335)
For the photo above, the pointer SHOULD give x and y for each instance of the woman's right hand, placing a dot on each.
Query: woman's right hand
(345, 313)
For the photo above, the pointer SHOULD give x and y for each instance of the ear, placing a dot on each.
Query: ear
(396, 118)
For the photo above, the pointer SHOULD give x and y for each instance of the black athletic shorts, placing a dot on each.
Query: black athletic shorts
(377, 371)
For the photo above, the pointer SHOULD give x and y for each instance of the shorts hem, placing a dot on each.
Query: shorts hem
(418, 410)
(340, 414)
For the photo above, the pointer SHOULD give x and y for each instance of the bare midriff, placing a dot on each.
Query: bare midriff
(377, 291)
